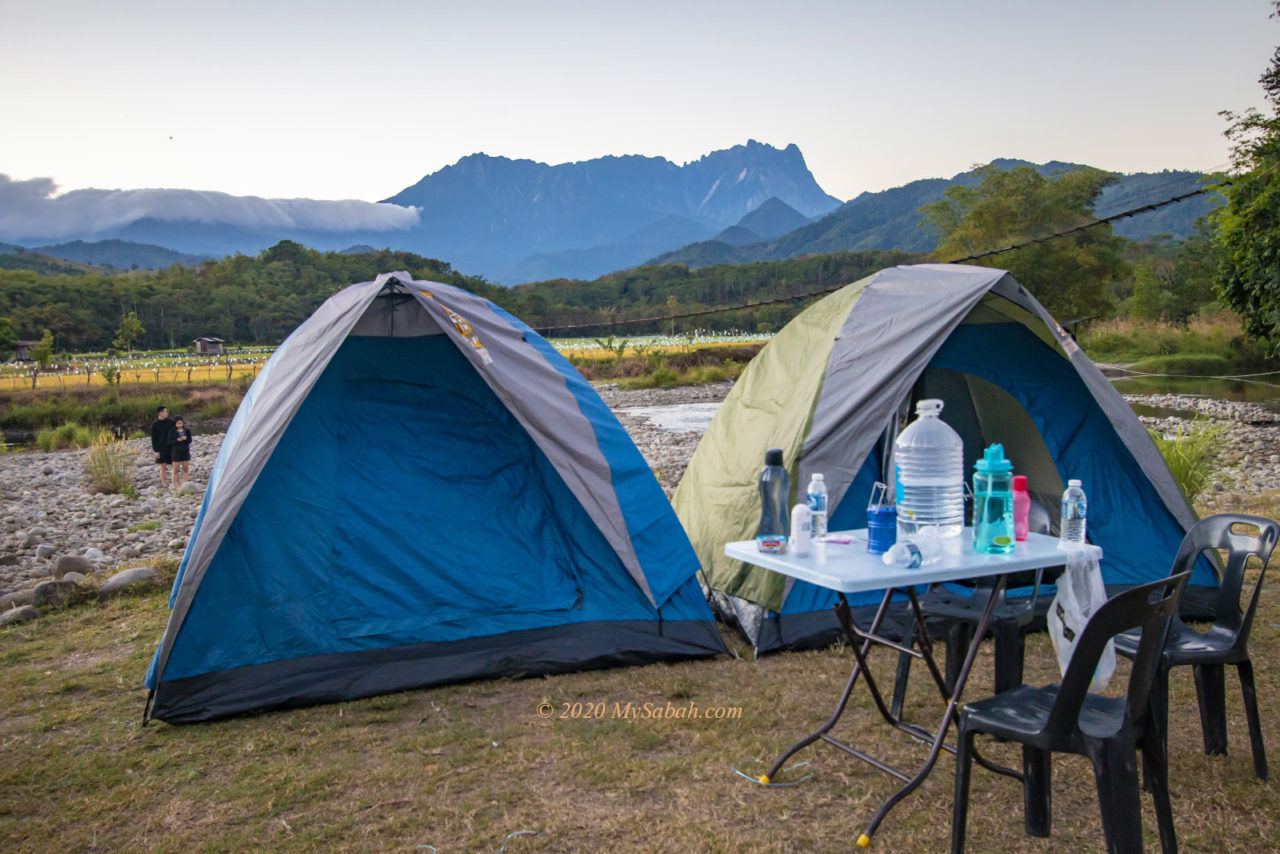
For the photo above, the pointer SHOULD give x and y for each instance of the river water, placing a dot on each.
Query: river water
(696, 417)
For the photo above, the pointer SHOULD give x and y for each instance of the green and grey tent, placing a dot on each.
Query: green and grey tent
(834, 385)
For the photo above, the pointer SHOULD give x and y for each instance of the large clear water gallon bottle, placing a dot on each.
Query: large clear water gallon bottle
(775, 487)
(1074, 509)
(817, 501)
(929, 473)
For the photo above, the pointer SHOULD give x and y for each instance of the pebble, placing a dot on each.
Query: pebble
(139, 576)
(19, 615)
(71, 563)
(54, 594)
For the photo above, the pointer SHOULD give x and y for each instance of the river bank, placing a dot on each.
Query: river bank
(49, 513)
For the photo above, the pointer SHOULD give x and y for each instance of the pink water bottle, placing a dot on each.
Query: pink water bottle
(1021, 507)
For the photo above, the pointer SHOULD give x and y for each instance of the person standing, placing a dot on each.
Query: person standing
(160, 444)
(180, 450)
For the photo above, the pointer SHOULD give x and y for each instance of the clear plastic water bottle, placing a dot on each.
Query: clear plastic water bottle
(929, 473)
(774, 489)
(912, 554)
(817, 500)
(1074, 510)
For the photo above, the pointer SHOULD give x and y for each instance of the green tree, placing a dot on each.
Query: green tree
(129, 332)
(1069, 275)
(8, 338)
(43, 352)
(1248, 224)
(1149, 300)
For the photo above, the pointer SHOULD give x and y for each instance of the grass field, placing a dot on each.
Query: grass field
(461, 767)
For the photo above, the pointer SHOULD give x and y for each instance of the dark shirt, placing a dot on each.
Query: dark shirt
(160, 434)
(180, 444)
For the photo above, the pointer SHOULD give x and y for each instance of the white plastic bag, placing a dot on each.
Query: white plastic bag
(1080, 593)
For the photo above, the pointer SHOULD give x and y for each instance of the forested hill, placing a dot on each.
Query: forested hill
(892, 219)
(260, 300)
(244, 300)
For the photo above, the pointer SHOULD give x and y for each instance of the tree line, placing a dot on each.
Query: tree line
(259, 300)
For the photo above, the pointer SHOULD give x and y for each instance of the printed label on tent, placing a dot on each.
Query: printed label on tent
(1068, 343)
(463, 328)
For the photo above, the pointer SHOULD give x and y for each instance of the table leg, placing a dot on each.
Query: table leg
(952, 704)
(848, 688)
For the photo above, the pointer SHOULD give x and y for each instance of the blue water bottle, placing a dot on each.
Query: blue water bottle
(993, 531)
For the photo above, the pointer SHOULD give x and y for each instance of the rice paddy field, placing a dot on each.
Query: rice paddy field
(169, 367)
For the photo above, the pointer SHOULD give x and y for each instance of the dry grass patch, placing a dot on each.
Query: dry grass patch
(461, 767)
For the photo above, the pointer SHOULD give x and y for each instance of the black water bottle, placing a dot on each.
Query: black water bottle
(775, 488)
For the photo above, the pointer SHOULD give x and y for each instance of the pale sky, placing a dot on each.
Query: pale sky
(336, 100)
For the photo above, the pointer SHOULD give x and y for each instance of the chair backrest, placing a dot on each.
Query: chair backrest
(1215, 532)
(1148, 606)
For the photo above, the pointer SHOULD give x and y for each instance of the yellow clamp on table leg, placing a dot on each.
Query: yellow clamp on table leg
(764, 778)
(864, 841)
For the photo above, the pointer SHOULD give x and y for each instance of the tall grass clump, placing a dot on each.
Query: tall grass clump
(1191, 453)
(1210, 343)
(69, 435)
(107, 466)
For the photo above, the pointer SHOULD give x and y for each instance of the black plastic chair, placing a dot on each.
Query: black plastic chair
(1067, 719)
(1226, 642)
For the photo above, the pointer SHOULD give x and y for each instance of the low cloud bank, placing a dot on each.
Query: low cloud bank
(30, 208)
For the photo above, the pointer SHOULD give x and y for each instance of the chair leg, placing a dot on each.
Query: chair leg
(1115, 767)
(1158, 716)
(959, 636)
(1037, 790)
(960, 802)
(1211, 694)
(1010, 644)
(1245, 671)
(1155, 775)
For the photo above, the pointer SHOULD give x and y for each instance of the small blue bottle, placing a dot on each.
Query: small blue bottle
(993, 531)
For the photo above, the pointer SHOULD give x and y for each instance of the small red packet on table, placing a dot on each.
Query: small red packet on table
(773, 544)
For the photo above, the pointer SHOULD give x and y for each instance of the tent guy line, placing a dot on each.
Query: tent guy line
(613, 324)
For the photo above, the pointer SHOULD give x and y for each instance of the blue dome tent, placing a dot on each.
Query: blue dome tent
(419, 489)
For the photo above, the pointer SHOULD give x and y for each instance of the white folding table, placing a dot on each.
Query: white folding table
(849, 569)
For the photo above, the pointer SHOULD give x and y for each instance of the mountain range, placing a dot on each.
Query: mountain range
(891, 219)
(519, 220)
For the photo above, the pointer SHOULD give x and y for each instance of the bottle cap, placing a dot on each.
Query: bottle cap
(773, 457)
(1019, 483)
(932, 406)
(993, 460)
(1072, 482)
(817, 477)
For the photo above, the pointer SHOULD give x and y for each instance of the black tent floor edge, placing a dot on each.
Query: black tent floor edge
(320, 679)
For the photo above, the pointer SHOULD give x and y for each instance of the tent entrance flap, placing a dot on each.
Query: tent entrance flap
(403, 504)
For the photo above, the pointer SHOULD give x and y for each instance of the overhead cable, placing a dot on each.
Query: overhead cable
(667, 318)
